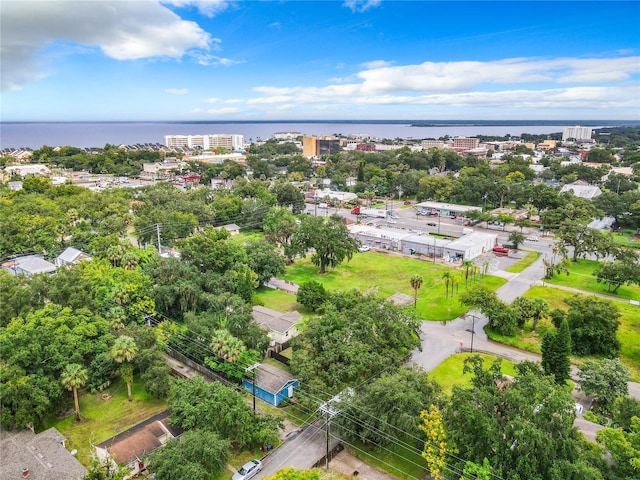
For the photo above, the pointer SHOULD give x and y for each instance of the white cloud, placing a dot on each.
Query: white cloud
(177, 91)
(235, 100)
(122, 30)
(360, 5)
(208, 60)
(208, 8)
(572, 83)
(212, 100)
(376, 64)
(223, 111)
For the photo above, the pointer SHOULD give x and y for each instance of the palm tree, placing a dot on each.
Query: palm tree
(73, 377)
(516, 238)
(467, 264)
(124, 350)
(447, 278)
(416, 283)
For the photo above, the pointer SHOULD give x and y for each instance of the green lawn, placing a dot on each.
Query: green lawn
(581, 276)
(385, 274)
(275, 299)
(523, 263)
(104, 415)
(626, 238)
(628, 332)
(449, 372)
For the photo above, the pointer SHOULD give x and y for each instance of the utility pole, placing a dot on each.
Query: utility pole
(329, 413)
(252, 369)
(158, 233)
(473, 330)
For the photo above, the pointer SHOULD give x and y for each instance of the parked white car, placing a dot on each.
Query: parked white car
(364, 248)
(248, 470)
(533, 239)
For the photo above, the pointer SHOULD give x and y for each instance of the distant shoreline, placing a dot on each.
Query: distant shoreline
(412, 123)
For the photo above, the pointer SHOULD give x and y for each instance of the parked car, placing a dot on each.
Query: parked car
(431, 224)
(364, 248)
(408, 202)
(433, 214)
(248, 470)
(533, 239)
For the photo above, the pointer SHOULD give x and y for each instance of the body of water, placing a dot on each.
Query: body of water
(93, 134)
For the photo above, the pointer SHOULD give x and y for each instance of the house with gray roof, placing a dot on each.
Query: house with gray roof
(281, 327)
(582, 189)
(41, 456)
(28, 265)
(272, 384)
(71, 256)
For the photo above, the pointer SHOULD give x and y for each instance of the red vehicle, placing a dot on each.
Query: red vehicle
(502, 250)
(408, 202)
(433, 214)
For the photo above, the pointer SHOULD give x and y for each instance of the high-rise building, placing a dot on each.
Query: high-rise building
(206, 142)
(314, 146)
(577, 133)
(466, 143)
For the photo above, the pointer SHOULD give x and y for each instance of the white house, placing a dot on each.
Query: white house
(281, 327)
(71, 256)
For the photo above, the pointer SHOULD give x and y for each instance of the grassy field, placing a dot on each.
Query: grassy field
(523, 263)
(449, 372)
(581, 276)
(628, 332)
(385, 275)
(104, 415)
(627, 238)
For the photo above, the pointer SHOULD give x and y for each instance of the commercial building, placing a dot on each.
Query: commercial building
(29, 265)
(426, 144)
(316, 146)
(577, 133)
(467, 247)
(425, 208)
(205, 142)
(465, 143)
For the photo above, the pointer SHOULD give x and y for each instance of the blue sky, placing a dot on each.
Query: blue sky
(175, 60)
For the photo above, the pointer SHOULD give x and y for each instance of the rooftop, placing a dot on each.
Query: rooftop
(44, 454)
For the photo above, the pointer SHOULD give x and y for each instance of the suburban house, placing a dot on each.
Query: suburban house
(232, 228)
(131, 447)
(71, 256)
(582, 189)
(25, 454)
(281, 327)
(29, 265)
(272, 384)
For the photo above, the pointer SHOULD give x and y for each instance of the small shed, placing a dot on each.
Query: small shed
(232, 228)
(272, 384)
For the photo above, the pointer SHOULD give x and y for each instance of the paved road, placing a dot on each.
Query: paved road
(301, 450)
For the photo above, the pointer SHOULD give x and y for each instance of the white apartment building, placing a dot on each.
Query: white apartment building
(205, 142)
(577, 133)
